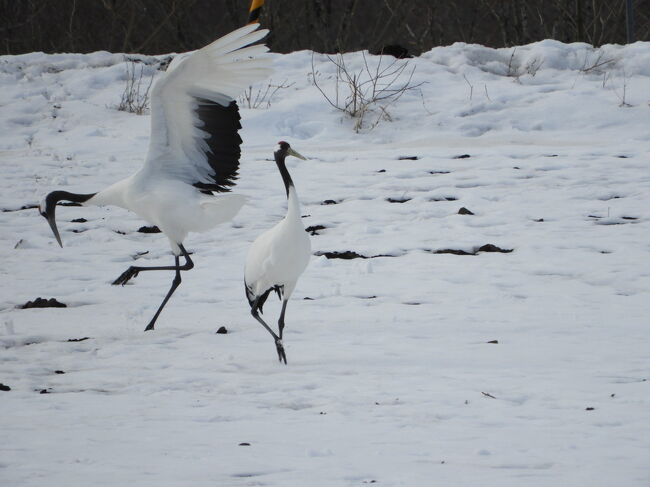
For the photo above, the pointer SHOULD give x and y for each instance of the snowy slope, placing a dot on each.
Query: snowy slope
(391, 377)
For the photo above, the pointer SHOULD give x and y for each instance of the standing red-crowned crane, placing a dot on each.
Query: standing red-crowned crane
(194, 149)
(279, 256)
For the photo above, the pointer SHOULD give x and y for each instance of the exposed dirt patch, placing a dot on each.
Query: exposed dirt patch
(43, 303)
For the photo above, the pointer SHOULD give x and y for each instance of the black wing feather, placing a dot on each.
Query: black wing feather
(222, 123)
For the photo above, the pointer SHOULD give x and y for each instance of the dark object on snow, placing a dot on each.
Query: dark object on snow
(4, 387)
(152, 229)
(444, 198)
(395, 50)
(464, 211)
(346, 254)
(222, 330)
(398, 200)
(59, 372)
(452, 251)
(589, 409)
(539, 220)
(407, 158)
(493, 341)
(43, 303)
(484, 248)
(349, 254)
(78, 220)
(462, 156)
(77, 339)
(382, 170)
(244, 444)
(329, 202)
(44, 391)
(493, 248)
(313, 230)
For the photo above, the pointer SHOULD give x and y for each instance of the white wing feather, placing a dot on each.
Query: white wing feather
(218, 72)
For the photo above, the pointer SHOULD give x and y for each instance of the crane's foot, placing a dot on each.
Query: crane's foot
(126, 276)
(149, 327)
(282, 357)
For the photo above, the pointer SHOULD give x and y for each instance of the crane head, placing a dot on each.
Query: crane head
(47, 209)
(285, 148)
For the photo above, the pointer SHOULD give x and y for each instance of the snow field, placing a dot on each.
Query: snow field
(391, 377)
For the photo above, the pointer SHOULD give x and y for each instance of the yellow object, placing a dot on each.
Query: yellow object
(256, 8)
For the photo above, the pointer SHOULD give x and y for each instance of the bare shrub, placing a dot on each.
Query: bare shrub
(135, 98)
(261, 97)
(370, 90)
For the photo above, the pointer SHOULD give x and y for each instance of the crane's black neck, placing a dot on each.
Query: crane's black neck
(55, 196)
(280, 156)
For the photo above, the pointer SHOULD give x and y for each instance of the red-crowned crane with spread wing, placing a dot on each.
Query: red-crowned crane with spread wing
(194, 149)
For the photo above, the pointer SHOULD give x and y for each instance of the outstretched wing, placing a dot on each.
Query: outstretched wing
(194, 116)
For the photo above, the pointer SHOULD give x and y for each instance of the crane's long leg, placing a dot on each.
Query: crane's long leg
(282, 357)
(133, 272)
(281, 320)
(175, 283)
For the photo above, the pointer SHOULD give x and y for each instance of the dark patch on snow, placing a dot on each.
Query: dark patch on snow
(346, 254)
(44, 391)
(398, 200)
(516, 167)
(43, 303)
(222, 330)
(78, 220)
(608, 198)
(451, 251)
(629, 218)
(307, 298)
(246, 444)
(493, 341)
(483, 248)
(77, 339)
(382, 170)
(539, 220)
(59, 372)
(487, 394)
(349, 254)
(313, 230)
(622, 156)
(408, 158)
(4, 387)
(24, 207)
(330, 202)
(439, 172)
(119, 232)
(152, 229)
(589, 409)
(139, 254)
(493, 248)
(443, 198)
(462, 156)
(465, 211)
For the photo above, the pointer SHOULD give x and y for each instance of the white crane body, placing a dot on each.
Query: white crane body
(279, 256)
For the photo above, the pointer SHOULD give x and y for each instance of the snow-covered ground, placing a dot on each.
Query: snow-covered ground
(393, 376)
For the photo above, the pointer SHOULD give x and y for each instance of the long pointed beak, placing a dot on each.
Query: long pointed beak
(293, 153)
(52, 222)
